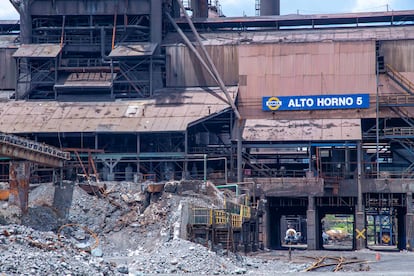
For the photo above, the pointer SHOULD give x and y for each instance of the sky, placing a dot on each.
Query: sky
(247, 7)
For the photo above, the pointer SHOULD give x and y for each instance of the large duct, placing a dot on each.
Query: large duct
(269, 7)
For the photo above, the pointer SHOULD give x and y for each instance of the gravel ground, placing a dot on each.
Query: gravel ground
(139, 235)
(25, 251)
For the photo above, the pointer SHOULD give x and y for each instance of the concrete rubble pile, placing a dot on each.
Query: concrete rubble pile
(181, 256)
(30, 252)
(120, 229)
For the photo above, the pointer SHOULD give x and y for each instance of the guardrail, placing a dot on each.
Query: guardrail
(399, 131)
(400, 78)
(392, 99)
(218, 217)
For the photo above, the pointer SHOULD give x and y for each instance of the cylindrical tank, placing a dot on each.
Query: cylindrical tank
(269, 7)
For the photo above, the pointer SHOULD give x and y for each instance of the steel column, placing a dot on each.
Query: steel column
(19, 176)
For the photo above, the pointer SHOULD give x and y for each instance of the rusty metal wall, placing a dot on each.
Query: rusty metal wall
(90, 7)
(399, 54)
(7, 69)
(303, 69)
(184, 69)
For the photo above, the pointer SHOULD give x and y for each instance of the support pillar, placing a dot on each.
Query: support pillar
(409, 223)
(360, 230)
(311, 227)
(239, 151)
(19, 175)
(360, 233)
(137, 178)
(156, 37)
(265, 225)
(111, 164)
(185, 167)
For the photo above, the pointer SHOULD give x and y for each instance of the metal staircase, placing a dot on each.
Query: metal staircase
(260, 168)
(406, 116)
(397, 103)
(399, 79)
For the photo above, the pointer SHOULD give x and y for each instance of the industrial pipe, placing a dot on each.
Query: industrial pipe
(229, 186)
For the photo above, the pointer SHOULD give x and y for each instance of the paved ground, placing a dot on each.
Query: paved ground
(386, 263)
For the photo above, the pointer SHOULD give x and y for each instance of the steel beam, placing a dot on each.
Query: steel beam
(17, 147)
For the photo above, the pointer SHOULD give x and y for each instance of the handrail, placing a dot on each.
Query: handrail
(400, 77)
(398, 131)
(396, 99)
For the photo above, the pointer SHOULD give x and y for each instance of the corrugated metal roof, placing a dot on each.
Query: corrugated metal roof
(8, 41)
(86, 80)
(169, 110)
(38, 50)
(133, 50)
(302, 130)
(305, 35)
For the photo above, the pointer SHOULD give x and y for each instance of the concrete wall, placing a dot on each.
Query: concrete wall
(387, 185)
(290, 187)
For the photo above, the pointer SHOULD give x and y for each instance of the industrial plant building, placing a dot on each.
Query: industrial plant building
(312, 115)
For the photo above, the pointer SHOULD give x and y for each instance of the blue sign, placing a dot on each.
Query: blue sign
(318, 102)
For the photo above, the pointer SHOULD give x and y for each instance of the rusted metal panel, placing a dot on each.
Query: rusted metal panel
(90, 7)
(134, 50)
(19, 176)
(184, 69)
(302, 130)
(169, 110)
(7, 63)
(4, 194)
(7, 69)
(399, 54)
(155, 188)
(38, 51)
(308, 69)
(41, 157)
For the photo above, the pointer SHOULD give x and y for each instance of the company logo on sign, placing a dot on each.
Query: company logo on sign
(273, 103)
(315, 102)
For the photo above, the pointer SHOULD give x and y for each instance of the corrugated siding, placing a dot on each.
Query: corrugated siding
(399, 53)
(7, 69)
(185, 70)
(304, 69)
